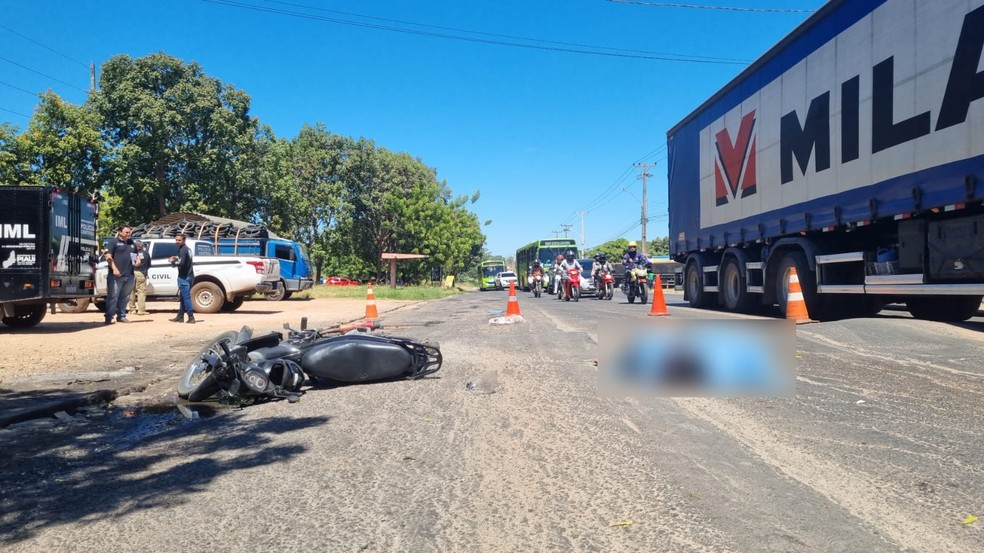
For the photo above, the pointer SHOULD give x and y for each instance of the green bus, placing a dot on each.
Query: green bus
(546, 251)
(487, 271)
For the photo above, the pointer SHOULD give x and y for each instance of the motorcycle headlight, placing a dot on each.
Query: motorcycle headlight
(256, 380)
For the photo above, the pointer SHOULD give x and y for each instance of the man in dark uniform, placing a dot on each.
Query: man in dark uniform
(119, 278)
(186, 275)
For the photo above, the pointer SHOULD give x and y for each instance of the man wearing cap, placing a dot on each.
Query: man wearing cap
(141, 264)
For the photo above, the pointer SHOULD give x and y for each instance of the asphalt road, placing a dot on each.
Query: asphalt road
(879, 450)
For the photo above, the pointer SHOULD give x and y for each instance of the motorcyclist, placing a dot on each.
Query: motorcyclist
(600, 266)
(558, 272)
(534, 270)
(569, 263)
(632, 259)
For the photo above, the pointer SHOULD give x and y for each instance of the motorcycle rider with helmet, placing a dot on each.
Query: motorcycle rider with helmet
(600, 266)
(631, 260)
(569, 263)
(536, 269)
(558, 273)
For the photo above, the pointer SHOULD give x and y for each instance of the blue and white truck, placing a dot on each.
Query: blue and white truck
(852, 151)
(296, 270)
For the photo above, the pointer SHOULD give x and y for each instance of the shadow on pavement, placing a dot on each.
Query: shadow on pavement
(85, 474)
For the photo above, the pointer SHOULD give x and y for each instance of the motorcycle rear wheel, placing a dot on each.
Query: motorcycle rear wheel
(197, 382)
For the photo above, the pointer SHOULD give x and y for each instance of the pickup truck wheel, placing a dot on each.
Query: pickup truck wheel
(943, 308)
(100, 305)
(280, 294)
(75, 306)
(206, 297)
(235, 304)
(26, 316)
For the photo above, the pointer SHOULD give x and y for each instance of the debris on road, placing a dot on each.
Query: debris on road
(969, 520)
(486, 384)
(506, 320)
(620, 523)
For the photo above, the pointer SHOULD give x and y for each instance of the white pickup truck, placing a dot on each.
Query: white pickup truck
(222, 282)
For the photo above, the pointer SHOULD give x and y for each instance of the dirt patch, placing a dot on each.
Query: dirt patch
(65, 344)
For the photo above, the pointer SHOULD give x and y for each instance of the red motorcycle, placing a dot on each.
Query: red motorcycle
(606, 285)
(571, 288)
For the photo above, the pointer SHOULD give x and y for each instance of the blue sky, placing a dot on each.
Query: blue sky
(542, 133)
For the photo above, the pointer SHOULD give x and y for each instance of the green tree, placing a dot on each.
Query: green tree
(659, 246)
(181, 140)
(62, 146)
(12, 162)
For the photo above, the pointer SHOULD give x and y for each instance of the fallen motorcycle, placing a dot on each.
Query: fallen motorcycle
(271, 366)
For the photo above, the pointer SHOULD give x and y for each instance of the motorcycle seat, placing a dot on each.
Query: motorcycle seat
(273, 352)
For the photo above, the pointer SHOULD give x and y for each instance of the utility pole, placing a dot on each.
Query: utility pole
(92, 77)
(567, 228)
(645, 216)
(582, 214)
(556, 233)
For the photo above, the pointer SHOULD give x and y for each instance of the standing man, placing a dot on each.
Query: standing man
(186, 275)
(141, 264)
(119, 278)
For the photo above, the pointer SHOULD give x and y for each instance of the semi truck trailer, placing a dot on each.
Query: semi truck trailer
(853, 152)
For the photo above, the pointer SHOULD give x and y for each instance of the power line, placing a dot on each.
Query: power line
(15, 113)
(690, 59)
(706, 7)
(19, 88)
(497, 35)
(43, 74)
(66, 56)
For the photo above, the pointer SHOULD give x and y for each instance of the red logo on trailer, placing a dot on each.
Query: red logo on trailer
(734, 165)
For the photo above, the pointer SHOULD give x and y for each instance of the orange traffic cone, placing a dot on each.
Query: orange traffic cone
(659, 302)
(371, 312)
(512, 308)
(795, 304)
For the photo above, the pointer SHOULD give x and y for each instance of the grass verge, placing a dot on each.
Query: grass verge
(405, 293)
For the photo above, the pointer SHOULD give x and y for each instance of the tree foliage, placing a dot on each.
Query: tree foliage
(180, 139)
(161, 136)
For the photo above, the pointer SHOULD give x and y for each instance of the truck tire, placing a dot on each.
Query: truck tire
(281, 293)
(694, 283)
(100, 305)
(808, 283)
(26, 316)
(207, 297)
(734, 288)
(943, 308)
(75, 306)
(233, 305)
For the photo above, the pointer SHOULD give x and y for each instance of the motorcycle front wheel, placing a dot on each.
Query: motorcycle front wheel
(197, 382)
(642, 294)
(576, 292)
(610, 291)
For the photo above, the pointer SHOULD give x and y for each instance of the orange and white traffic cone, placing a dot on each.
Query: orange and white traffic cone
(512, 308)
(795, 304)
(659, 302)
(371, 312)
